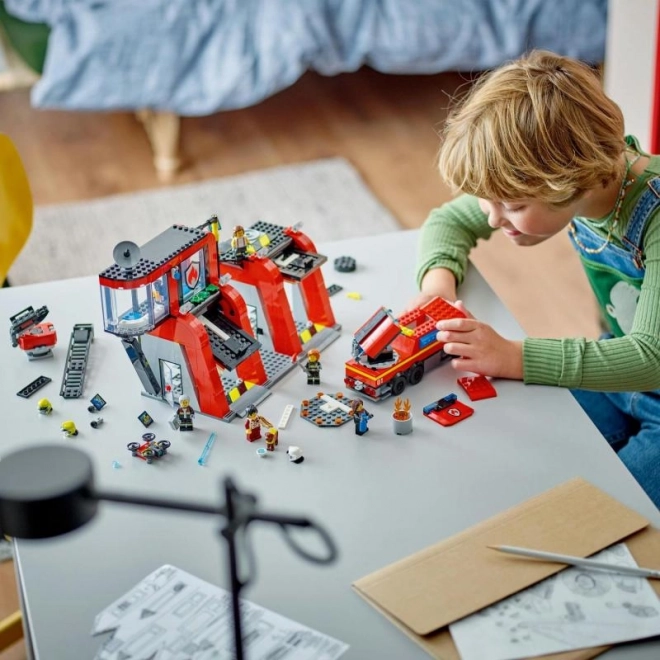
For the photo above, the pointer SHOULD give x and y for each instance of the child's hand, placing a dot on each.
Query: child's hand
(437, 282)
(419, 300)
(482, 351)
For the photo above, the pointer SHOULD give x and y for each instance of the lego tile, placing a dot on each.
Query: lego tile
(477, 387)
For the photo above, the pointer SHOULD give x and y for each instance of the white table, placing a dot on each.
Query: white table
(381, 496)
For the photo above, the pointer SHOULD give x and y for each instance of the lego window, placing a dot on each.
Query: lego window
(193, 275)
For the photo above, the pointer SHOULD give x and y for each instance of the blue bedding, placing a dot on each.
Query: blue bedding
(195, 57)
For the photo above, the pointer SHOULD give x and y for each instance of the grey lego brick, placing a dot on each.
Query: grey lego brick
(33, 387)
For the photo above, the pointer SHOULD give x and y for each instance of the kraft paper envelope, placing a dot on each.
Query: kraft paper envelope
(424, 593)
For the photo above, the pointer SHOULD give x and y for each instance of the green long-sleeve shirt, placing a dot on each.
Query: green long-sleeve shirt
(628, 363)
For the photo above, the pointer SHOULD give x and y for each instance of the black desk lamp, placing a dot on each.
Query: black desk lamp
(49, 490)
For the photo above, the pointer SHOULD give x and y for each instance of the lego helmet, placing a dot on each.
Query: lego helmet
(44, 406)
(295, 454)
(68, 426)
(313, 354)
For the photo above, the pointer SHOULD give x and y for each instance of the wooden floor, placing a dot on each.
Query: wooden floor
(386, 126)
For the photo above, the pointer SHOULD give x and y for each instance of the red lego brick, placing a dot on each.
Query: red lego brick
(451, 415)
(477, 387)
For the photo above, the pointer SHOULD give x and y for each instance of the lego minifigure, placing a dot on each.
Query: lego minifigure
(361, 416)
(68, 429)
(240, 243)
(295, 454)
(185, 414)
(252, 424)
(313, 367)
(272, 439)
(45, 407)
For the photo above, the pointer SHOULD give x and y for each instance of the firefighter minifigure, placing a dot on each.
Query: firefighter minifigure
(361, 416)
(45, 407)
(313, 367)
(240, 243)
(252, 424)
(272, 439)
(185, 414)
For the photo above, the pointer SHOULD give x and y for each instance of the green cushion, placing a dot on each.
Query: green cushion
(29, 40)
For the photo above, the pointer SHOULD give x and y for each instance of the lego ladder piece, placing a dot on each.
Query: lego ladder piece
(73, 378)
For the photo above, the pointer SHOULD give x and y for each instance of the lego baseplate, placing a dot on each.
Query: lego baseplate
(326, 409)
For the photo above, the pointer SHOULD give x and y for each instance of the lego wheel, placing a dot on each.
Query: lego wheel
(132, 446)
(164, 445)
(398, 385)
(416, 373)
(148, 437)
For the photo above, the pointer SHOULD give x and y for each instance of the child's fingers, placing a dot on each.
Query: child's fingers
(458, 348)
(463, 364)
(462, 325)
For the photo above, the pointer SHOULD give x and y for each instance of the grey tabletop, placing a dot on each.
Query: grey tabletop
(381, 496)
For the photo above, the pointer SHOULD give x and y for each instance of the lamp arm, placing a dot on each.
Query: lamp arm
(235, 520)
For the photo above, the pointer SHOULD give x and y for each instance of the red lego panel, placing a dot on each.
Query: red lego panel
(451, 415)
(477, 387)
(380, 337)
(440, 309)
(412, 317)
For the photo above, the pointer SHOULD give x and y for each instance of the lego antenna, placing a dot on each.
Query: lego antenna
(126, 254)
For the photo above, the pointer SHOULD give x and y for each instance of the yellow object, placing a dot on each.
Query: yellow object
(45, 407)
(354, 295)
(15, 206)
(69, 428)
(11, 630)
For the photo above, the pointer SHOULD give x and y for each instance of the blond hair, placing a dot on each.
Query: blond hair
(538, 128)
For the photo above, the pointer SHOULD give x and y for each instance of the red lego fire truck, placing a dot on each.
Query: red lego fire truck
(390, 353)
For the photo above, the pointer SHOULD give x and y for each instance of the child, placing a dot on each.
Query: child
(537, 147)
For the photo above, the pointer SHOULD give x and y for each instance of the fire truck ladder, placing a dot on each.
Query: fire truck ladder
(76, 360)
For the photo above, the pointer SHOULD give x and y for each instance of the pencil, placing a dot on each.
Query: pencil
(578, 561)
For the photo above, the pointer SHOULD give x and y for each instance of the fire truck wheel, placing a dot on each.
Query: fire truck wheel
(416, 373)
(398, 385)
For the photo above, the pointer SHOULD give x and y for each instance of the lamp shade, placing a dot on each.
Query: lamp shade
(45, 491)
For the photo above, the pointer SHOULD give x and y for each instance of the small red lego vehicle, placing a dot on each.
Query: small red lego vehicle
(390, 353)
(31, 335)
(150, 449)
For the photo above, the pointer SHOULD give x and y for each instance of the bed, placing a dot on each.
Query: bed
(197, 57)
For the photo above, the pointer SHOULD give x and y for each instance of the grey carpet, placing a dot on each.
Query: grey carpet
(327, 196)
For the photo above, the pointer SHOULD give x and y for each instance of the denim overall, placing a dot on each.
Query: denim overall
(630, 421)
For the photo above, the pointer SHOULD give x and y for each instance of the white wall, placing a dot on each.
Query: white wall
(630, 62)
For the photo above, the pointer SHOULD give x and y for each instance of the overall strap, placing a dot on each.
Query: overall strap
(646, 206)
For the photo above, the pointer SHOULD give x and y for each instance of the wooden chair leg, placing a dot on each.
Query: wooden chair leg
(163, 129)
(11, 630)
